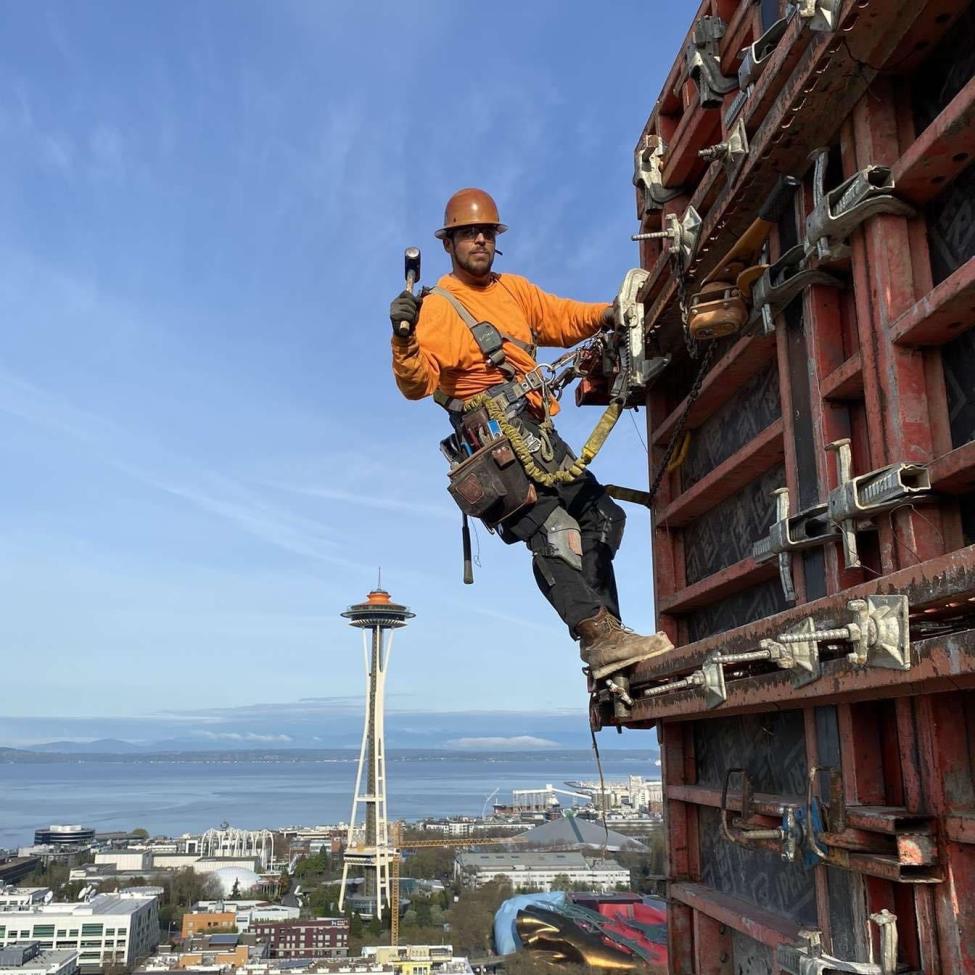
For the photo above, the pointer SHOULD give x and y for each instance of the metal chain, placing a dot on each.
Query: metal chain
(675, 439)
(684, 305)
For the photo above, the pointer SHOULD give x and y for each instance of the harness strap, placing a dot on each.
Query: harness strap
(504, 394)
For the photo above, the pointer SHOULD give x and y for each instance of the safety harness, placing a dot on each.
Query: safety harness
(503, 402)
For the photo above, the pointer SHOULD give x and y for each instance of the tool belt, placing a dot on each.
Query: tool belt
(491, 483)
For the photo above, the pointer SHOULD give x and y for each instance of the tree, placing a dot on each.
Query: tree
(472, 917)
(235, 890)
(561, 881)
(356, 926)
(139, 834)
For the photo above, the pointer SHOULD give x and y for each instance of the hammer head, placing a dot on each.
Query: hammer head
(411, 262)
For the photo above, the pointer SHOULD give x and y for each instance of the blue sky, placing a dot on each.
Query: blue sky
(203, 208)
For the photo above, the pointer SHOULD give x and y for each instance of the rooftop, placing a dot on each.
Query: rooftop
(535, 861)
(27, 956)
(572, 831)
(124, 902)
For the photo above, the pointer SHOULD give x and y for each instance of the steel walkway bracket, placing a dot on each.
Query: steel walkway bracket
(837, 213)
(755, 57)
(857, 499)
(647, 175)
(808, 529)
(782, 281)
(704, 63)
(808, 957)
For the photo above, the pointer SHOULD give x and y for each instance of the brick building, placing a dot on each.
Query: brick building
(207, 922)
(318, 937)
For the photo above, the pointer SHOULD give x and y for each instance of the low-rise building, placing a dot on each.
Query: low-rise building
(74, 836)
(21, 898)
(247, 912)
(128, 859)
(110, 928)
(419, 959)
(540, 870)
(208, 922)
(319, 937)
(209, 953)
(28, 958)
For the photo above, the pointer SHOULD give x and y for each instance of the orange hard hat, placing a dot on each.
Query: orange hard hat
(468, 207)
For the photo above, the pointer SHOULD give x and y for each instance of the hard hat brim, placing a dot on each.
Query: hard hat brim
(443, 231)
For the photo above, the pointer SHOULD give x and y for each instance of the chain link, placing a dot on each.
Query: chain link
(683, 304)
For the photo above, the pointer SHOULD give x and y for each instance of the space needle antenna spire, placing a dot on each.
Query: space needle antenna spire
(368, 850)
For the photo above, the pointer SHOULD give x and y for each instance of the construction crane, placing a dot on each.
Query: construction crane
(395, 836)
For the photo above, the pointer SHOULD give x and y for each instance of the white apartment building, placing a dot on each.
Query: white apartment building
(539, 870)
(121, 928)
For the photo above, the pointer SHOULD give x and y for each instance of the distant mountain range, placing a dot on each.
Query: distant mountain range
(315, 723)
(101, 753)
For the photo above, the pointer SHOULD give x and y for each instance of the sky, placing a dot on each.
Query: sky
(203, 211)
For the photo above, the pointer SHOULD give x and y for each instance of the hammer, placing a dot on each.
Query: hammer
(411, 263)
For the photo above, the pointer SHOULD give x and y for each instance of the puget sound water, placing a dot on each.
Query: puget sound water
(169, 795)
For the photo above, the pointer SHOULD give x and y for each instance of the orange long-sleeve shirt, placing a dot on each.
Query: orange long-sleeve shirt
(442, 352)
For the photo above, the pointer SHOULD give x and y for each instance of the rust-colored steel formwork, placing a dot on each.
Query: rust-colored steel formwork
(818, 751)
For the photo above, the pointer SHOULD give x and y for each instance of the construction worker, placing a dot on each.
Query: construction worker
(573, 530)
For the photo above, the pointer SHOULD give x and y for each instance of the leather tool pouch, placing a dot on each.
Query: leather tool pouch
(491, 484)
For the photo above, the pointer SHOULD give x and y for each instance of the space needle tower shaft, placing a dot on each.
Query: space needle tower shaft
(368, 851)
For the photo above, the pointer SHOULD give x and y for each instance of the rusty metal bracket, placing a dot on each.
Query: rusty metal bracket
(735, 830)
(879, 632)
(756, 56)
(807, 529)
(710, 678)
(732, 151)
(683, 234)
(782, 281)
(808, 957)
(838, 212)
(704, 63)
(857, 499)
(821, 14)
(636, 369)
(648, 174)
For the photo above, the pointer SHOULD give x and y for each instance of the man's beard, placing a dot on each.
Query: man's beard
(475, 270)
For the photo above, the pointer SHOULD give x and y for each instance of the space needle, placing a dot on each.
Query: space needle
(367, 847)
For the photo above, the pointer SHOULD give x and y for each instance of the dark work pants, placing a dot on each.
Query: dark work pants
(575, 595)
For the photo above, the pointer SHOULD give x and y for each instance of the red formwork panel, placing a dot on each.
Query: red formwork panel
(813, 805)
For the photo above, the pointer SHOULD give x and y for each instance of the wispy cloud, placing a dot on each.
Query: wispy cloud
(129, 452)
(441, 511)
(246, 736)
(515, 743)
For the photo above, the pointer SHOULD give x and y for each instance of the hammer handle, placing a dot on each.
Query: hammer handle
(468, 562)
(405, 328)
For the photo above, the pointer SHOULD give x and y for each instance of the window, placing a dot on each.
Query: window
(91, 930)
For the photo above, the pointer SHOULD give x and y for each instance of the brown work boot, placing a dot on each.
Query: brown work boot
(606, 646)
